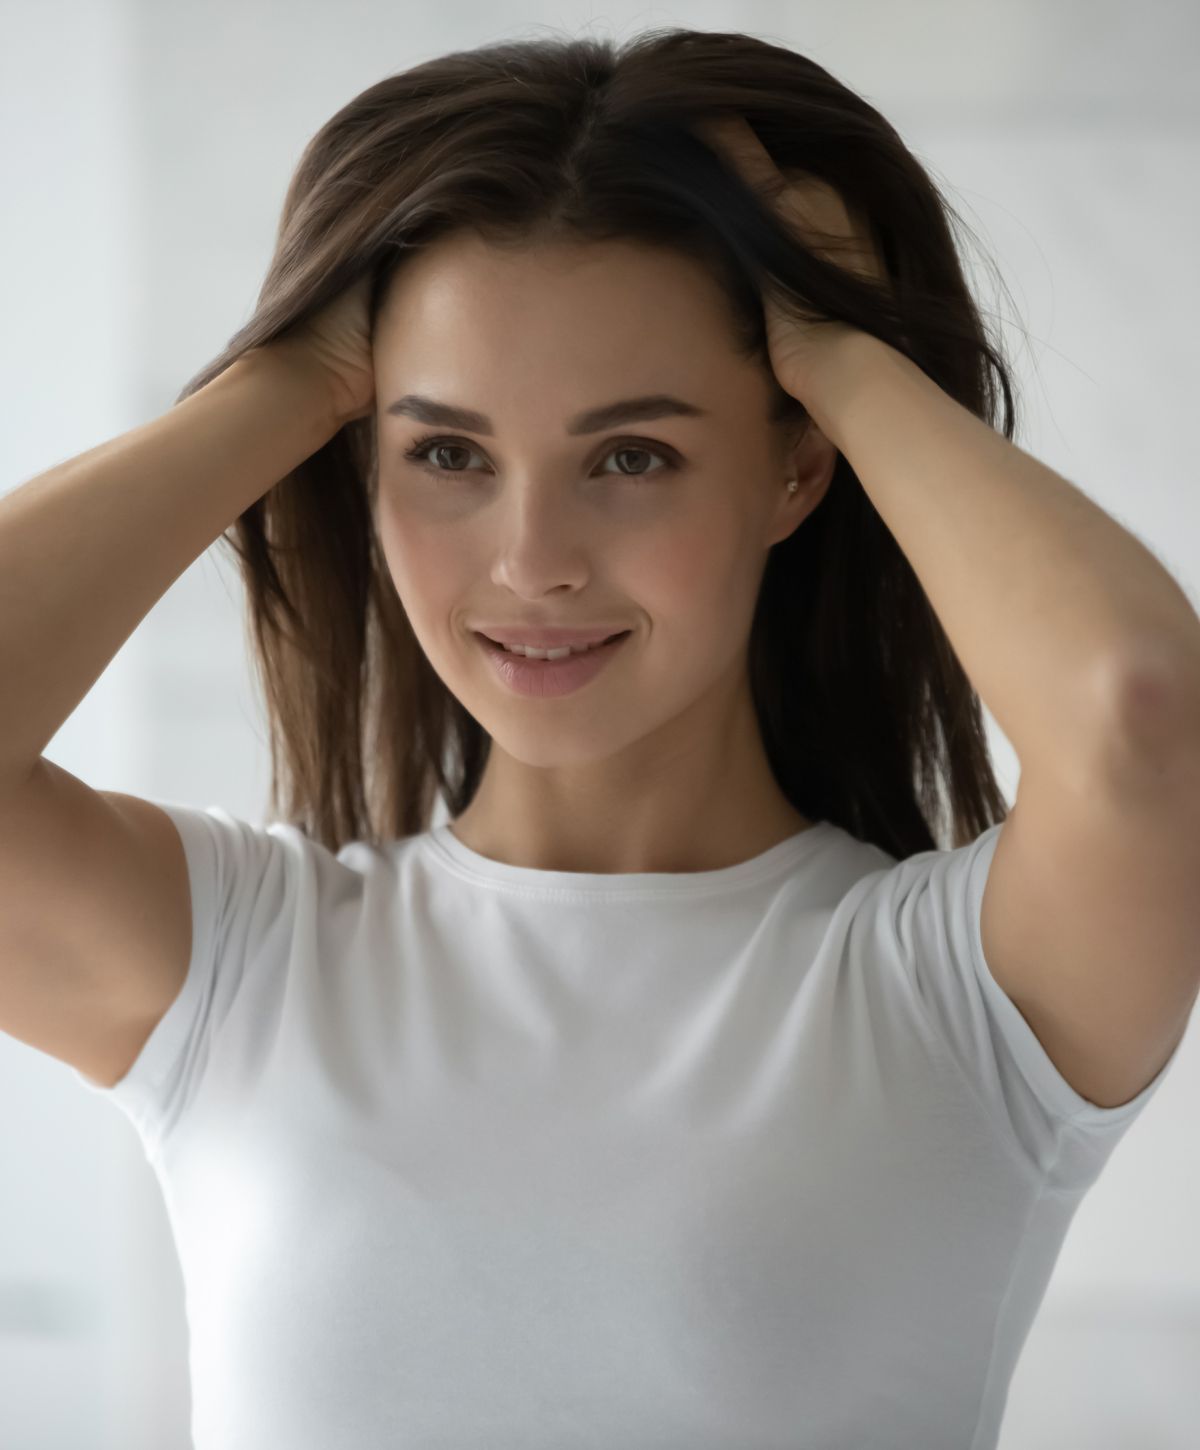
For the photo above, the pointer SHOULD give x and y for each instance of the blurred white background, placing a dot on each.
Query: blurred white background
(145, 150)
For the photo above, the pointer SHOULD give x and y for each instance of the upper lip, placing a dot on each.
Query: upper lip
(546, 636)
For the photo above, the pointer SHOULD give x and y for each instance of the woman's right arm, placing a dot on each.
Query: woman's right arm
(95, 906)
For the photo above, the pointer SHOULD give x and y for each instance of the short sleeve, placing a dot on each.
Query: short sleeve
(924, 913)
(239, 881)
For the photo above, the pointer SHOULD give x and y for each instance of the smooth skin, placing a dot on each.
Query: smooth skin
(658, 763)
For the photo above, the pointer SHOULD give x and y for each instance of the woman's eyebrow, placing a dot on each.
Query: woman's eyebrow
(595, 420)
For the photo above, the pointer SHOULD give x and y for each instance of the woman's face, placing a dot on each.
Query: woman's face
(527, 512)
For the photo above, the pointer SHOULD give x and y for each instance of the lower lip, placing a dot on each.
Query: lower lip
(545, 678)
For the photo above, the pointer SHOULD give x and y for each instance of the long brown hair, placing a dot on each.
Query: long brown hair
(867, 716)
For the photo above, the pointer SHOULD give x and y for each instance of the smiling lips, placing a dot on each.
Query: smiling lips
(544, 675)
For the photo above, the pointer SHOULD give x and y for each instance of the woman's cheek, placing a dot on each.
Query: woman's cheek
(691, 563)
(420, 556)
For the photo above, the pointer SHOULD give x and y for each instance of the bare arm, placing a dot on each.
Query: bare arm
(88, 548)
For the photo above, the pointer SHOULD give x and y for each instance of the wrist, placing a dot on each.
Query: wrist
(849, 364)
(306, 384)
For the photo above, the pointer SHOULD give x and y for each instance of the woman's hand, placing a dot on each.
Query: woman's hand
(336, 344)
(818, 216)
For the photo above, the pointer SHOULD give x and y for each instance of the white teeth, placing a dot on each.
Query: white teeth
(550, 654)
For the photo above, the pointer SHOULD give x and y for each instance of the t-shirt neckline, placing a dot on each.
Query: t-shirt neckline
(449, 851)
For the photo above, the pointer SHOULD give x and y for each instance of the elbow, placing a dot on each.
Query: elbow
(1153, 716)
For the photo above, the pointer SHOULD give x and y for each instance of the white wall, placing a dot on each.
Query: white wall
(145, 150)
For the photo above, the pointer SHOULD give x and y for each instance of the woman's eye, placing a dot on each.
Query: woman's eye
(425, 451)
(647, 452)
(422, 452)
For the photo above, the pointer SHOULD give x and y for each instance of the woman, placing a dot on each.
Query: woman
(674, 1091)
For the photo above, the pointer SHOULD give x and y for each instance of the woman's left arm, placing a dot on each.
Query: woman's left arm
(1088, 654)
(1080, 643)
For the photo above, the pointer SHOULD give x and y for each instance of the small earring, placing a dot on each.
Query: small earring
(793, 485)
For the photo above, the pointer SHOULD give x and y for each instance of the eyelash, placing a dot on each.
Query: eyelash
(421, 448)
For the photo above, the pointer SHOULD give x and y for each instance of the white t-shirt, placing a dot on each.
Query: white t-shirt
(459, 1153)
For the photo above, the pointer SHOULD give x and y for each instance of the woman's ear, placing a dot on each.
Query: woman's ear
(809, 460)
(813, 457)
